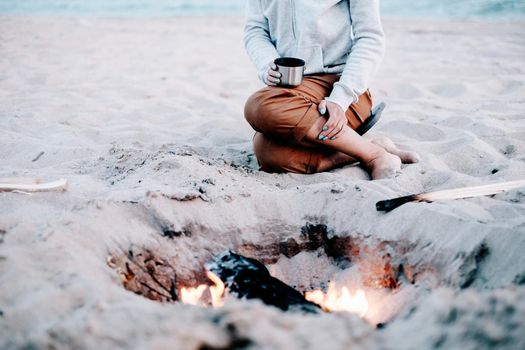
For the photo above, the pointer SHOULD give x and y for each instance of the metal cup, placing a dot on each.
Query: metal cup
(292, 70)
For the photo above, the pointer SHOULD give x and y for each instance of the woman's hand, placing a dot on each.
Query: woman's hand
(335, 125)
(272, 77)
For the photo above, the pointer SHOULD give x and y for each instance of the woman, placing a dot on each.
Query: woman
(311, 128)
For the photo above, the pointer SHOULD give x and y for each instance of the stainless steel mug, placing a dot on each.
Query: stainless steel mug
(292, 70)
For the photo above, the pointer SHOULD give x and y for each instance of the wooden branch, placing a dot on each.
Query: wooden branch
(21, 180)
(32, 185)
(458, 193)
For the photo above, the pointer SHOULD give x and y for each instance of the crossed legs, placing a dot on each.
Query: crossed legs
(288, 125)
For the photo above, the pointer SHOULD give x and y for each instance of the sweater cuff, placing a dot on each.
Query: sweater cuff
(342, 97)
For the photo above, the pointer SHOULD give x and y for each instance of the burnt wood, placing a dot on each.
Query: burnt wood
(248, 278)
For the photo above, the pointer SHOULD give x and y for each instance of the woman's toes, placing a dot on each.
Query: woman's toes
(409, 157)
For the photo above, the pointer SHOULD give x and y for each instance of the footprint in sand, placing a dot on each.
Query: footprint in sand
(512, 86)
(475, 158)
(418, 131)
(499, 86)
(450, 90)
(409, 91)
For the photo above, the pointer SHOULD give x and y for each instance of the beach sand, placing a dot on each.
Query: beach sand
(144, 118)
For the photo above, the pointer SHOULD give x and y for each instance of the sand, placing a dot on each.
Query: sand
(144, 117)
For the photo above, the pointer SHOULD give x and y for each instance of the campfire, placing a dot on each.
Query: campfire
(345, 275)
(247, 278)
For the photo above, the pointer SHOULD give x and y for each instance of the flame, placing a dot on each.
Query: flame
(196, 295)
(192, 295)
(340, 300)
(216, 291)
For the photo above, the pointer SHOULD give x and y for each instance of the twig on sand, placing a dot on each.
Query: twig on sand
(38, 156)
(31, 185)
(458, 193)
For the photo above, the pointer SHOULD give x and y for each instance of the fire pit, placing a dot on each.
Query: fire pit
(311, 272)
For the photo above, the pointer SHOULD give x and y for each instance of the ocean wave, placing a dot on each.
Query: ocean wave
(457, 9)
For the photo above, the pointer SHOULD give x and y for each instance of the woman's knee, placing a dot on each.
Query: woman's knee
(269, 110)
(278, 157)
(253, 110)
(272, 157)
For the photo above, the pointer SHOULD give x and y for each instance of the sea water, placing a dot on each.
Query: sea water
(441, 9)
(455, 9)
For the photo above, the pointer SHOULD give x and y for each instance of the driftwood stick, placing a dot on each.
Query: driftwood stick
(26, 185)
(458, 193)
(21, 180)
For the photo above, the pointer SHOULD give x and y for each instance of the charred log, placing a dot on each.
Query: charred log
(248, 278)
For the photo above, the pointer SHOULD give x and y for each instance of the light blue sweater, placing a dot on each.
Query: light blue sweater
(333, 36)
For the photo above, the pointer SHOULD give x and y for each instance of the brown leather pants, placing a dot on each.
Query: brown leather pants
(282, 117)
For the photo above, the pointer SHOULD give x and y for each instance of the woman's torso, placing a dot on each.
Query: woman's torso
(318, 31)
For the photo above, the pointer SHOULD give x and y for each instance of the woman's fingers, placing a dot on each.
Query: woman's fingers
(328, 128)
(322, 111)
(322, 107)
(337, 128)
(268, 82)
(335, 125)
(273, 80)
(272, 77)
(340, 132)
(274, 74)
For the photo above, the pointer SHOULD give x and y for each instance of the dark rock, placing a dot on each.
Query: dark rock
(289, 248)
(316, 235)
(172, 234)
(519, 279)
(469, 270)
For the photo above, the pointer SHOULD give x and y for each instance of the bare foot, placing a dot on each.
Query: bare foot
(407, 157)
(386, 165)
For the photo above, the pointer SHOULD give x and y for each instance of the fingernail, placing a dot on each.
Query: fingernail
(321, 137)
(325, 138)
(325, 128)
(333, 138)
(322, 111)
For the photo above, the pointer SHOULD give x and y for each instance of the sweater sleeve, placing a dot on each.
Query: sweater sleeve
(365, 56)
(257, 38)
